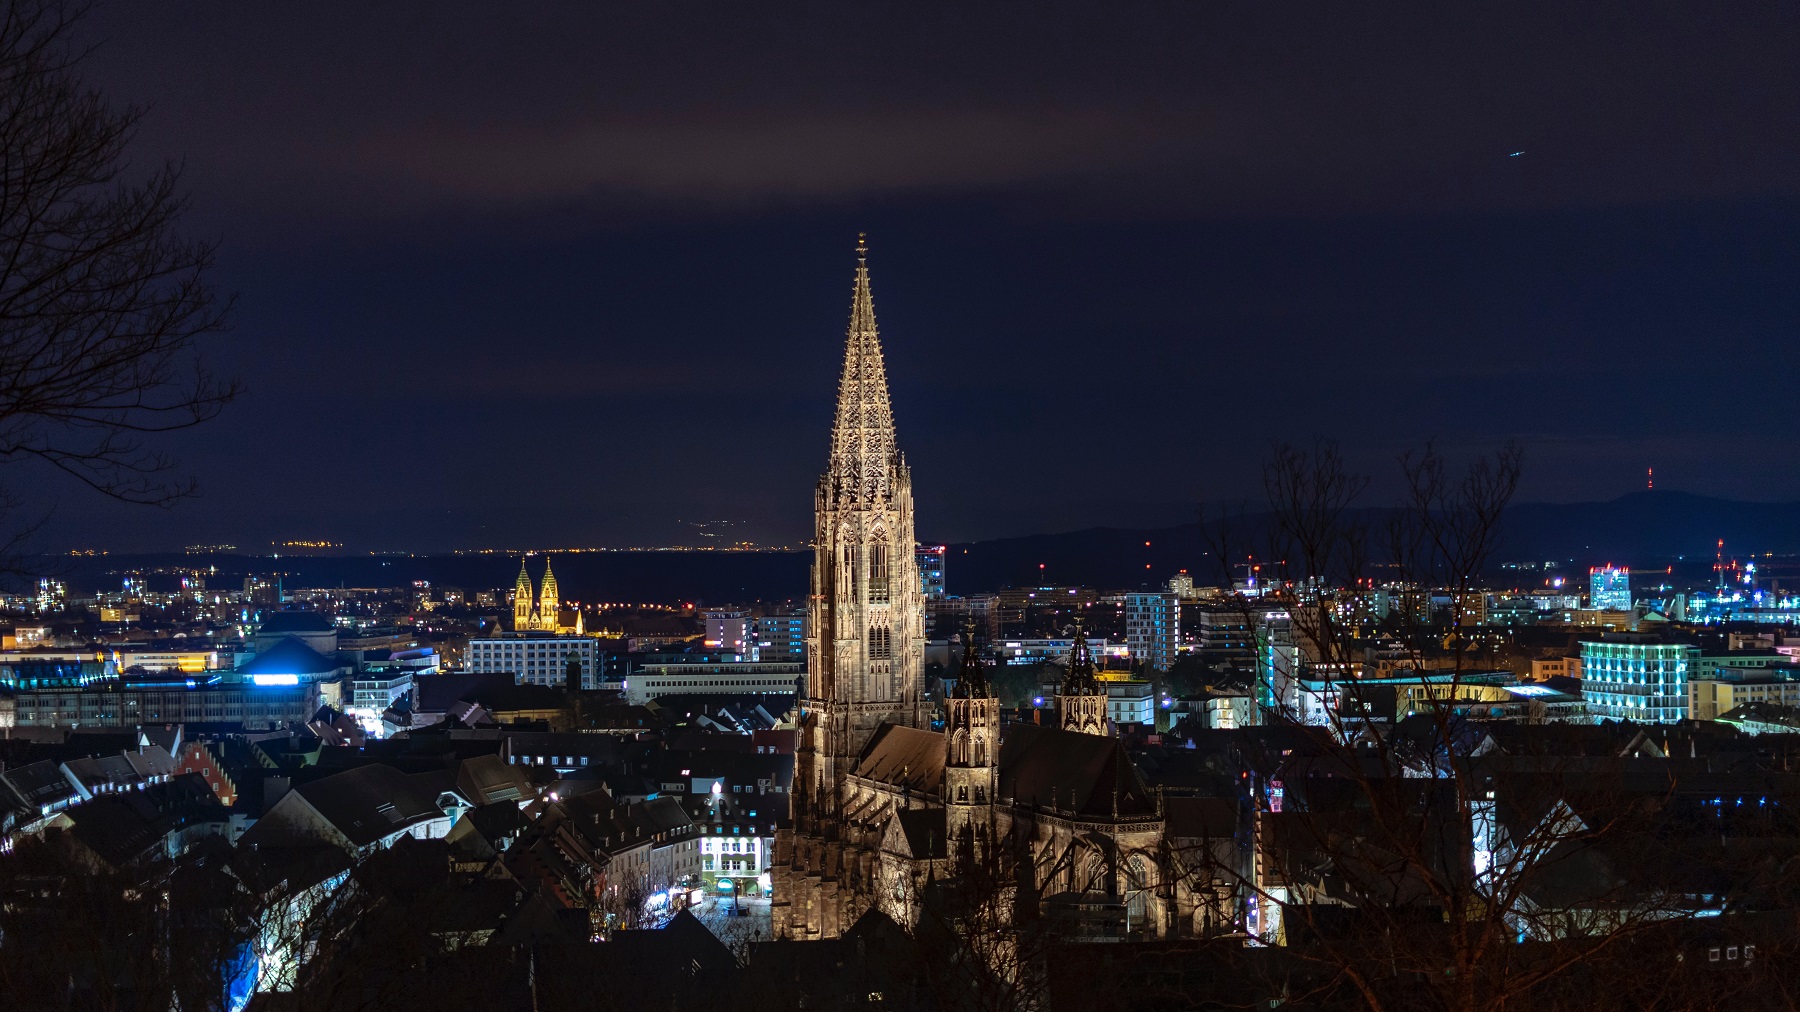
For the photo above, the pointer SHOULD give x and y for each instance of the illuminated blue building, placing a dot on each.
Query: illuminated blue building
(1153, 628)
(1639, 677)
(1609, 588)
(931, 571)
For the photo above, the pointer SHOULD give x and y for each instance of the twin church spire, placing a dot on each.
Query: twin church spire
(540, 611)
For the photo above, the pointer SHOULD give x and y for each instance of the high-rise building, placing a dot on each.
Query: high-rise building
(781, 637)
(731, 631)
(1153, 628)
(1609, 588)
(931, 571)
(1225, 626)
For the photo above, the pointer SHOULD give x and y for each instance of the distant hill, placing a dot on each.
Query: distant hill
(1644, 529)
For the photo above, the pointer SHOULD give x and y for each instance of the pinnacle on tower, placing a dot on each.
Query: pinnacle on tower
(1080, 681)
(863, 454)
(971, 681)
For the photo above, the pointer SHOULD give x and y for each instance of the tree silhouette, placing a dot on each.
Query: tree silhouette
(102, 302)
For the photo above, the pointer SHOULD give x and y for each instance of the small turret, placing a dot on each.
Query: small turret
(972, 767)
(1081, 702)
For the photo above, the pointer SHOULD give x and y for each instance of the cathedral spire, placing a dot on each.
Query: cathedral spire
(862, 439)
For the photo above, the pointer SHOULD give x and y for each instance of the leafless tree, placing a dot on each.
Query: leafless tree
(1404, 867)
(102, 301)
(156, 935)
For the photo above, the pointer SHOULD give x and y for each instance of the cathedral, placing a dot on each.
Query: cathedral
(886, 808)
(543, 612)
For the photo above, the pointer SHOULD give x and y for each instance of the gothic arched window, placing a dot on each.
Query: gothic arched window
(880, 643)
(878, 570)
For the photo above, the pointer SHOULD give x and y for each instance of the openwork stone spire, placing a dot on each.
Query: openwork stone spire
(1080, 680)
(863, 456)
(971, 681)
(1081, 703)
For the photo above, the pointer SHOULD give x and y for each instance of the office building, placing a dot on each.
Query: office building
(1712, 696)
(1634, 676)
(1153, 628)
(714, 677)
(1224, 627)
(1128, 700)
(167, 699)
(781, 637)
(731, 631)
(535, 658)
(931, 571)
(1609, 588)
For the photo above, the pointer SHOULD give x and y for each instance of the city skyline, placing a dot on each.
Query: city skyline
(430, 260)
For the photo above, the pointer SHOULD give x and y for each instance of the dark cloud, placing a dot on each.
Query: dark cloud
(1164, 108)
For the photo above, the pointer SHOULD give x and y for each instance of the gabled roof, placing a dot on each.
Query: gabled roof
(97, 773)
(121, 829)
(904, 757)
(924, 832)
(486, 780)
(364, 805)
(39, 784)
(684, 947)
(1081, 773)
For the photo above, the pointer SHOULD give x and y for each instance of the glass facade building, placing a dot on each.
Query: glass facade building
(1609, 588)
(1637, 678)
(931, 571)
(1153, 628)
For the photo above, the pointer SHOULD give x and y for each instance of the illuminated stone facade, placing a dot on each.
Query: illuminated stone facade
(885, 809)
(542, 611)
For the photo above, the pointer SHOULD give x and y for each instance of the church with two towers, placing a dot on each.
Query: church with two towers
(886, 808)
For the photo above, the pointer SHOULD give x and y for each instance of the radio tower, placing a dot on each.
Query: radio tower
(1650, 477)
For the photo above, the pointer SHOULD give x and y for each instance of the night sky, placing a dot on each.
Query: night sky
(568, 277)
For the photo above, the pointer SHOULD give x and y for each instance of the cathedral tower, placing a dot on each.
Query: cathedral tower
(549, 603)
(1081, 702)
(522, 599)
(865, 647)
(972, 767)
